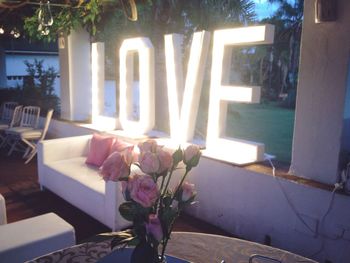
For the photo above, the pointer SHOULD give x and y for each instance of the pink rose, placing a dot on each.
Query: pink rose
(128, 154)
(187, 191)
(165, 160)
(149, 162)
(114, 167)
(154, 227)
(192, 155)
(148, 146)
(143, 189)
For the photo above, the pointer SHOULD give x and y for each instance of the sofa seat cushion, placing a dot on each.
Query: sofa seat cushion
(32, 237)
(77, 183)
(76, 169)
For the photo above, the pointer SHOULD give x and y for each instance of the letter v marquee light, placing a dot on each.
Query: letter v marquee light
(217, 146)
(182, 123)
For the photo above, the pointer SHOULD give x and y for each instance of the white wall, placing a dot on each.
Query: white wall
(252, 205)
(15, 62)
(15, 67)
(60, 129)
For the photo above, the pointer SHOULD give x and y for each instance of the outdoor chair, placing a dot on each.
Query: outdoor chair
(29, 121)
(33, 137)
(15, 121)
(7, 110)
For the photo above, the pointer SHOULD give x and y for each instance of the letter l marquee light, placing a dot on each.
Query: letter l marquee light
(97, 92)
(229, 149)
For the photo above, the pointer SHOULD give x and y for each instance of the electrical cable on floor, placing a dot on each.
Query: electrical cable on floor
(318, 226)
(287, 197)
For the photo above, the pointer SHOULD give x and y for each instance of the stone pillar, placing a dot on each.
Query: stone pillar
(75, 68)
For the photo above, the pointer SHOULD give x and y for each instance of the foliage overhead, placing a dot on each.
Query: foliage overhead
(93, 15)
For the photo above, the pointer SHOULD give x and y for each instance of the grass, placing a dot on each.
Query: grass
(265, 123)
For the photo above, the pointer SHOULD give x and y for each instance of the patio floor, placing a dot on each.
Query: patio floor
(19, 186)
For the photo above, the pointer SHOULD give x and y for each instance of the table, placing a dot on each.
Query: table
(194, 247)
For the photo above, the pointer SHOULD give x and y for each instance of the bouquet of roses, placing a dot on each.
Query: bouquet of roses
(150, 203)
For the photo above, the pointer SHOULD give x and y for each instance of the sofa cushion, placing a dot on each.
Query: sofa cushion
(120, 145)
(99, 150)
(85, 174)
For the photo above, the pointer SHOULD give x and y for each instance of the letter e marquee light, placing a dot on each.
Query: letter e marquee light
(217, 146)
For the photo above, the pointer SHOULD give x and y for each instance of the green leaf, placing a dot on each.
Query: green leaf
(177, 156)
(128, 210)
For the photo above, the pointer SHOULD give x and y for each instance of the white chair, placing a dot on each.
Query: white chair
(30, 238)
(29, 121)
(16, 119)
(30, 117)
(7, 110)
(33, 137)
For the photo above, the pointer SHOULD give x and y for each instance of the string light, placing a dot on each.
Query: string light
(44, 30)
(2, 30)
(15, 33)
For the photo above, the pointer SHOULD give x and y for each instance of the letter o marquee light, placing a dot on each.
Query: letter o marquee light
(144, 48)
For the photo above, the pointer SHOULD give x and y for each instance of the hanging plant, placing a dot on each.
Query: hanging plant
(86, 14)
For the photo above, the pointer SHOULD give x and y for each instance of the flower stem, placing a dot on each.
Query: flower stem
(168, 181)
(167, 237)
(161, 196)
(180, 184)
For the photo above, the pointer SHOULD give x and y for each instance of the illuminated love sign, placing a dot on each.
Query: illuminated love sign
(183, 117)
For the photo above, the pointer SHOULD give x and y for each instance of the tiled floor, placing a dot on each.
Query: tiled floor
(18, 184)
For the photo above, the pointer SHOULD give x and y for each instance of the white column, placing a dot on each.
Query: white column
(75, 70)
(321, 92)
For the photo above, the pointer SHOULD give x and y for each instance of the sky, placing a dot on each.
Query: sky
(264, 9)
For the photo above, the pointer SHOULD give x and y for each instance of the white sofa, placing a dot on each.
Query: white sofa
(62, 170)
(29, 238)
(3, 215)
(33, 237)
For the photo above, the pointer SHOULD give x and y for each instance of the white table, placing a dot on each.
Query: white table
(194, 247)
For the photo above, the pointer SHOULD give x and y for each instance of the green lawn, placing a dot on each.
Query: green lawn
(268, 124)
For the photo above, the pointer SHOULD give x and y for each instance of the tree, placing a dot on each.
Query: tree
(275, 67)
(286, 50)
(38, 86)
